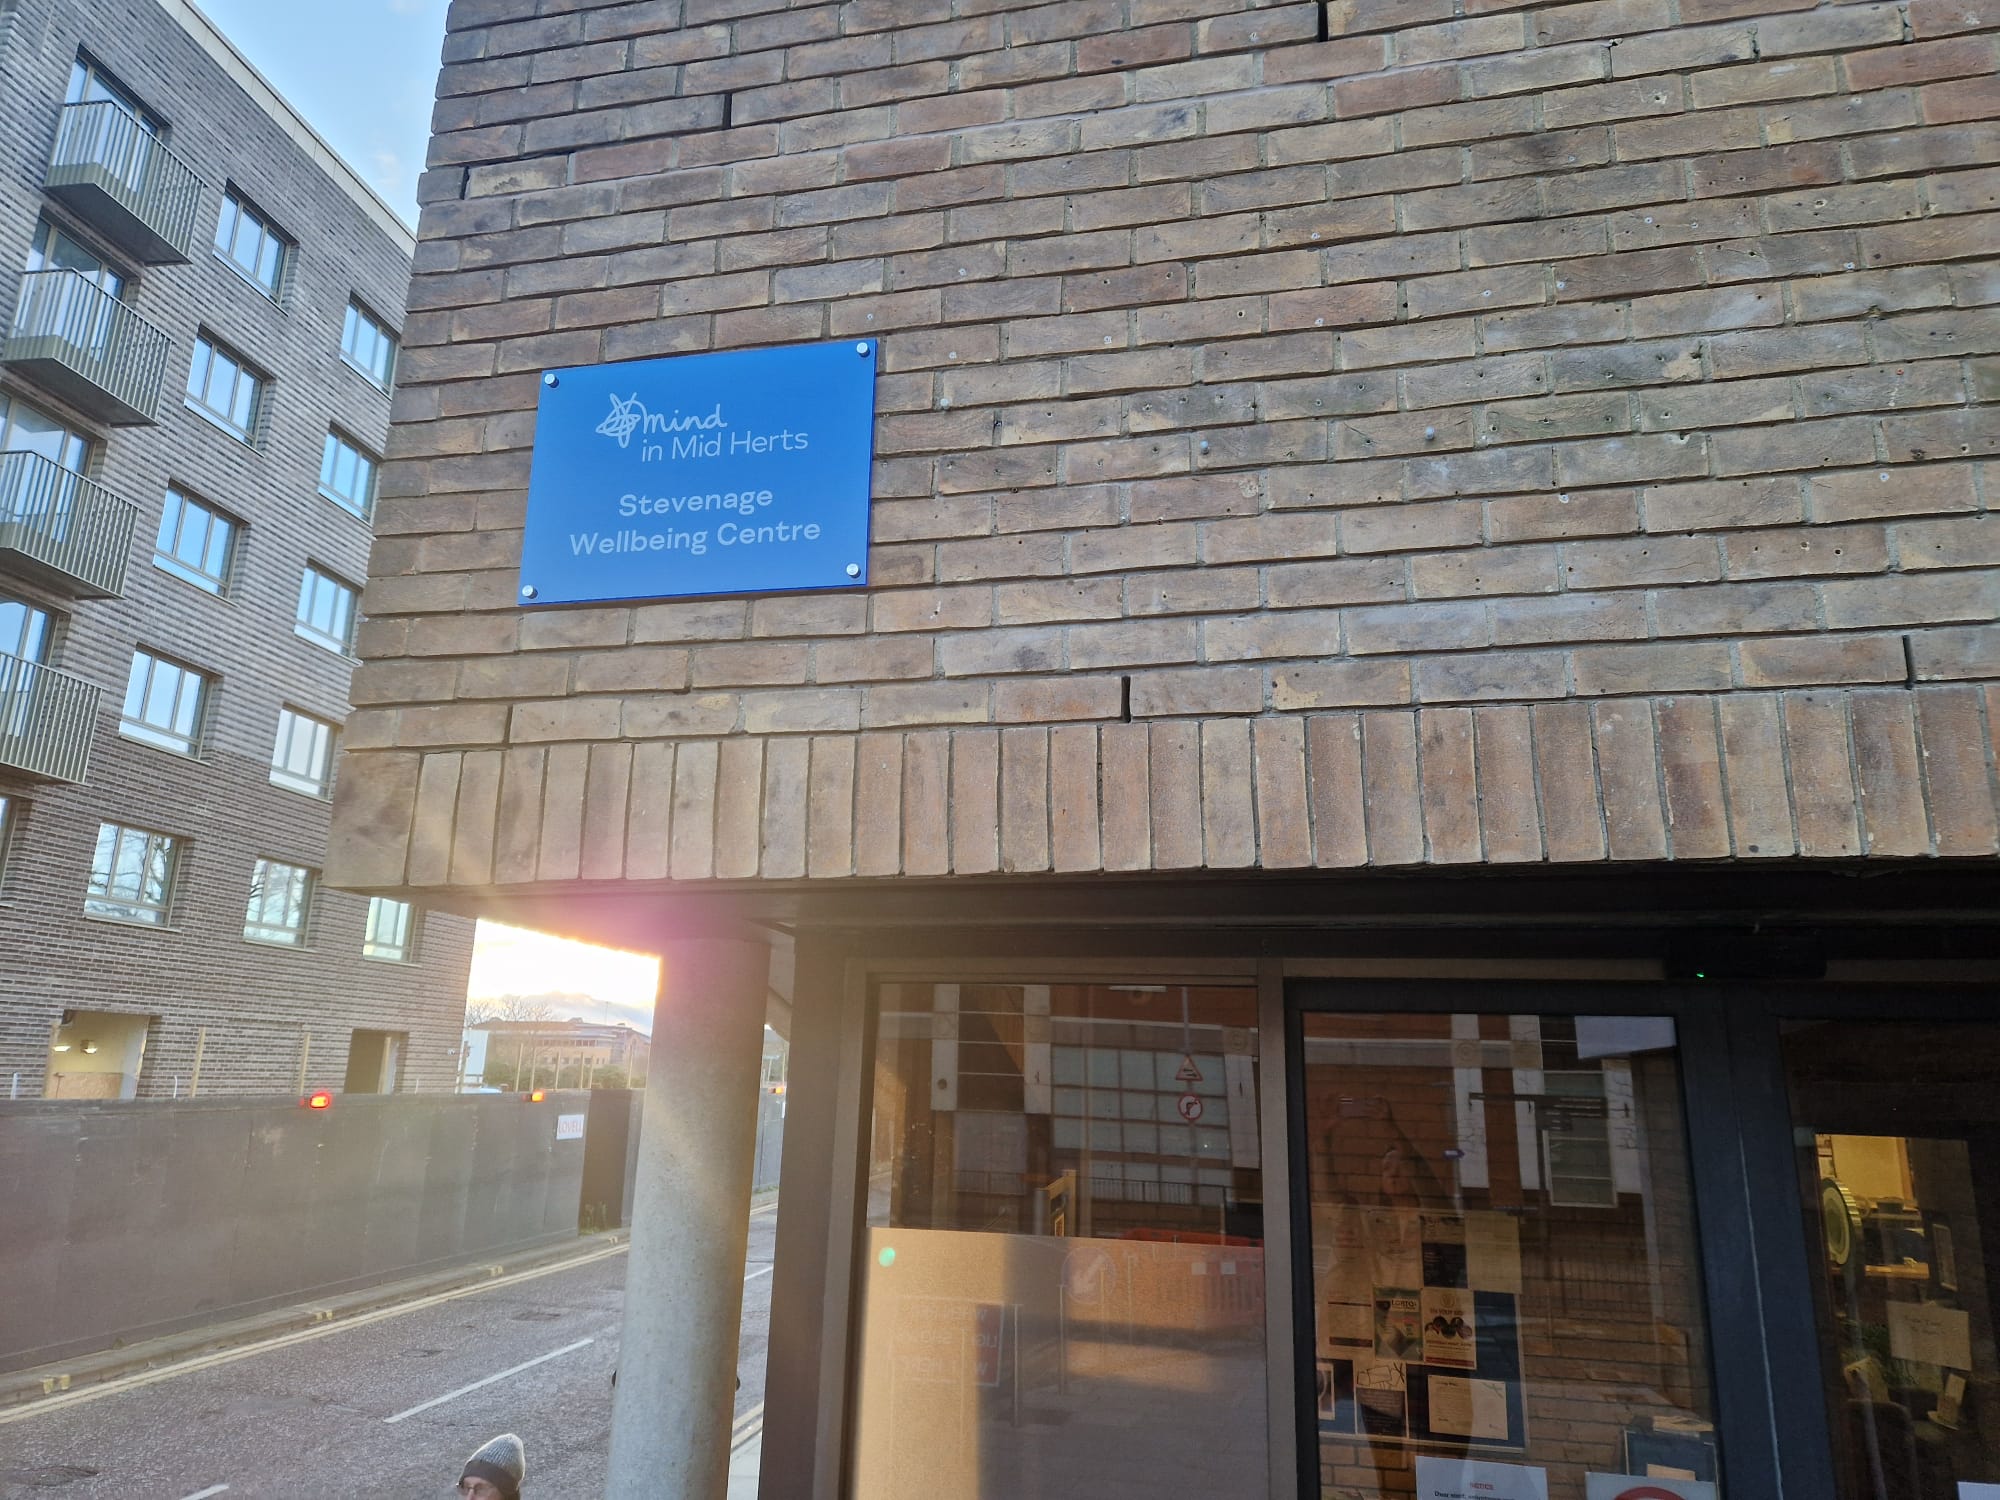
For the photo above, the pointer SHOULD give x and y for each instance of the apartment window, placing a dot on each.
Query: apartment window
(280, 896)
(131, 874)
(392, 931)
(163, 703)
(347, 475)
(54, 250)
(196, 542)
(326, 610)
(90, 84)
(247, 240)
(302, 757)
(24, 630)
(368, 346)
(224, 389)
(29, 429)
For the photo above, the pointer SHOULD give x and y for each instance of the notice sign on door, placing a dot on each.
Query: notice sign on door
(1479, 1479)
(745, 472)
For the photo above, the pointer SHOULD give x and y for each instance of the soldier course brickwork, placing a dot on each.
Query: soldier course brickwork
(1381, 432)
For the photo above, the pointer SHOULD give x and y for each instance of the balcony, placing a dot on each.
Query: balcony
(47, 718)
(124, 181)
(63, 530)
(87, 347)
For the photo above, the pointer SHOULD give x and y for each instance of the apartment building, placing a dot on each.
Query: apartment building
(194, 394)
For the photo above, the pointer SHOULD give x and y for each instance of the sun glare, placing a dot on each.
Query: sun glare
(515, 961)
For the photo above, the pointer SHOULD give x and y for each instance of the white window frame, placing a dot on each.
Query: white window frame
(240, 215)
(182, 733)
(340, 449)
(208, 351)
(167, 556)
(157, 861)
(316, 584)
(391, 934)
(279, 910)
(369, 345)
(302, 752)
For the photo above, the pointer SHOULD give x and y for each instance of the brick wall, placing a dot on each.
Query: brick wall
(255, 1002)
(1380, 432)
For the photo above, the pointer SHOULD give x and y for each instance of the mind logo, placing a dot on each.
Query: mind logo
(626, 418)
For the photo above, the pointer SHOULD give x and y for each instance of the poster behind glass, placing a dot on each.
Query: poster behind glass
(1505, 1292)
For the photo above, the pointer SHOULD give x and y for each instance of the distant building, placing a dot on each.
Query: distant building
(570, 1054)
(194, 396)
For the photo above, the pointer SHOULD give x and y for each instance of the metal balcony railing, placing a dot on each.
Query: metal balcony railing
(66, 530)
(47, 718)
(88, 347)
(136, 189)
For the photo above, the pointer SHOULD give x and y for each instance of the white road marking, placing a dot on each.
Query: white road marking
(761, 1271)
(466, 1390)
(286, 1340)
(755, 1414)
(748, 1430)
(213, 1489)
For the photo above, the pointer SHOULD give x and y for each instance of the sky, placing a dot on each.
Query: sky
(362, 72)
(512, 960)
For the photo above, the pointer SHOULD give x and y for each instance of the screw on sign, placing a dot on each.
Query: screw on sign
(1189, 1107)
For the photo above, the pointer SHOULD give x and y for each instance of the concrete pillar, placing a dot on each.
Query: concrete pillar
(670, 1421)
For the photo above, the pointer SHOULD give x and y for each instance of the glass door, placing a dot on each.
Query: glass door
(1503, 1290)
(1896, 1130)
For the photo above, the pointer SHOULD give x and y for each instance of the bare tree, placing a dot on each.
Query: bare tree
(508, 1008)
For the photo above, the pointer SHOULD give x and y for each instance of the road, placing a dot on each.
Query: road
(388, 1406)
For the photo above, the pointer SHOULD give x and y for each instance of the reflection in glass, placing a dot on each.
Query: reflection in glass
(1062, 1289)
(1503, 1253)
(1899, 1131)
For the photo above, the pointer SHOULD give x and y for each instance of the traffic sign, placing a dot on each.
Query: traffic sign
(1187, 1072)
(1189, 1107)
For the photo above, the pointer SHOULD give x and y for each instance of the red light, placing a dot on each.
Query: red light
(319, 1099)
(538, 1096)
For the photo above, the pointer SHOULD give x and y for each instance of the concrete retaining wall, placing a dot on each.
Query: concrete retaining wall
(127, 1221)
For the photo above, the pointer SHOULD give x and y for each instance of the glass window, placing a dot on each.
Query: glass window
(29, 429)
(89, 84)
(1042, 1314)
(247, 240)
(391, 933)
(54, 250)
(1503, 1256)
(224, 389)
(280, 898)
(131, 874)
(368, 346)
(196, 542)
(347, 475)
(164, 703)
(6, 831)
(326, 609)
(302, 757)
(24, 630)
(1896, 1128)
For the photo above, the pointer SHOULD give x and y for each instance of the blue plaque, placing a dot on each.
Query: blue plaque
(738, 473)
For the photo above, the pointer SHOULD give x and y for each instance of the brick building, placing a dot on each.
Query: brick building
(1395, 863)
(196, 387)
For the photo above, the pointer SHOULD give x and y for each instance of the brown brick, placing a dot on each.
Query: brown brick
(1635, 819)
(878, 804)
(1823, 795)
(1333, 760)
(1510, 828)
(926, 808)
(1691, 772)
(1566, 772)
(1887, 771)
(1390, 799)
(1073, 798)
(1957, 770)
(1449, 785)
(1128, 836)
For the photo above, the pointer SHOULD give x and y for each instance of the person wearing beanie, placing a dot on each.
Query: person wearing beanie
(495, 1472)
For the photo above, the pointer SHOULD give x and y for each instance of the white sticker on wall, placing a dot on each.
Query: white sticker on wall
(1479, 1479)
(1969, 1491)
(569, 1127)
(1632, 1487)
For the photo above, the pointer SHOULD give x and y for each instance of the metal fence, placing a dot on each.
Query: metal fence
(63, 521)
(104, 145)
(67, 318)
(46, 719)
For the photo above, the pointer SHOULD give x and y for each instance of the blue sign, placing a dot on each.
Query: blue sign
(737, 473)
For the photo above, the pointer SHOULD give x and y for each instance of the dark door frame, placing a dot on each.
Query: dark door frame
(1773, 1433)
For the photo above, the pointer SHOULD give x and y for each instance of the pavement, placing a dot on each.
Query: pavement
(386, 1402)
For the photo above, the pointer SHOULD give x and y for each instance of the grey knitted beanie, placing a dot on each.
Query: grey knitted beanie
(503, 1462)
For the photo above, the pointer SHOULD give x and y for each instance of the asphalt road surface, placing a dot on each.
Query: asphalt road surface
(385, 1406)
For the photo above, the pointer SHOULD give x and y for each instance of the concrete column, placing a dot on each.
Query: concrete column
(670, 1421)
